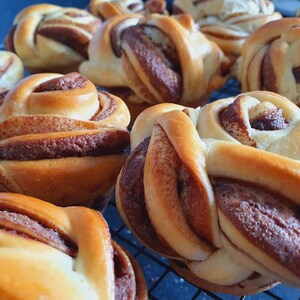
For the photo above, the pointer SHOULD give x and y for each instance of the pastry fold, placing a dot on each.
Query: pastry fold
(50, 38)
(216, 190)
(154, 59)
(60, 253)
(270, 59)
(60, 139)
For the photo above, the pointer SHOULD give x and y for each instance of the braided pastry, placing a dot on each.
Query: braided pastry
(51, 38)
(49, 252)
(155, 59)
(270, 59)
(105, 9)
(224, 213)
(228, 22)
(61, 140)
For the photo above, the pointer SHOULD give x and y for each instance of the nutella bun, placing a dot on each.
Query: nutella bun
(228, 22)
(270, 59)
(61, 139)
(50, 38)
(216, 190)
(62, 253)
(154, 59)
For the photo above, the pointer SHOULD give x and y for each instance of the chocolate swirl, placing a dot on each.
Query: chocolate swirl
(61, 37)
(269, 59)
(52, 120)
(229, 25)
(158, 59)
(65, 250)
(228, 212)
(24, 226)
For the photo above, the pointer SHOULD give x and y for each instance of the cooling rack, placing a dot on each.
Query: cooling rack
(163, 283)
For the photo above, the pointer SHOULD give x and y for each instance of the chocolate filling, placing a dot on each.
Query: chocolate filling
(124, 275)
(115, 38)
(9, 40)
(25, 226)
(233, 122)
(97, 144)
(268, 77)
(2, 96)
(296, 72)
(271, 119)
(68, 36)
(67, 82)
(132, 197)
(268, 221)
(162, 76)
(102, 114)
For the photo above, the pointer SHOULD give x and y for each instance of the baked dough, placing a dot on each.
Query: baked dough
(50, 38)
(270, 59)
(61, 139)
(153, 59)
(228, 22)
(216, 190)
(62, 253)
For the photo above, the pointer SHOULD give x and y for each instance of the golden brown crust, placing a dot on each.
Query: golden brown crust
(155, 59)
(88, 274)
(54, 120)
(269, 59)
(229, 23)
(228, 208)
(50, 38)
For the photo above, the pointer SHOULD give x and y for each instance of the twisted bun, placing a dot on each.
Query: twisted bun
(270, 59)
(200, 188)
(229, 22)
(155, 59)
(61, 140)
(49, 38)
(66, 251)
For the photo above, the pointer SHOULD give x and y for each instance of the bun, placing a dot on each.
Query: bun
(50, 38)
(61, 140)
(216, 190)
(269, 59)
(66, 251)
(155, 59)
(228, 22)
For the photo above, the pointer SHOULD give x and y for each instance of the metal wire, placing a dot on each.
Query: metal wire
(163, 283)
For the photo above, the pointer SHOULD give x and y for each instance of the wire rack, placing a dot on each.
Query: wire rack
(163, 283)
